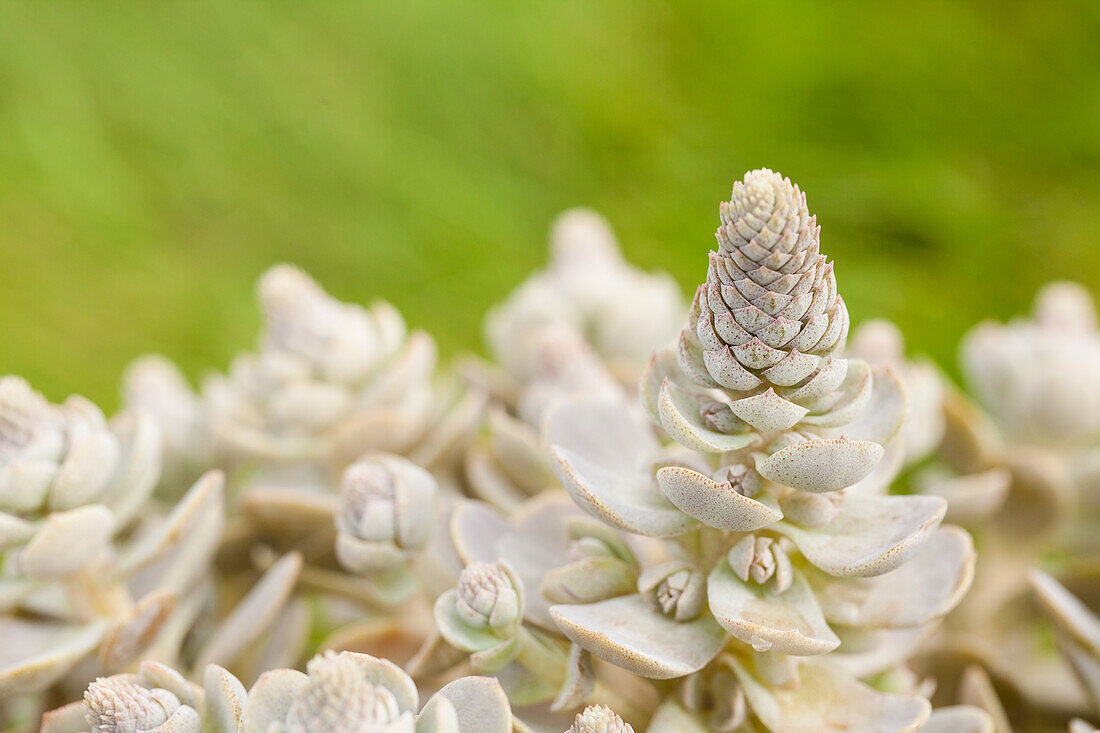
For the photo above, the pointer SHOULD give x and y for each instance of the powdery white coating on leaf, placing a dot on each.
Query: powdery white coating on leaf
(828, 701)
(68, 541)
(692, 420)
(675, 588)
(37, 654)
(821, 465)
(132, 634)
(715, 504)
(325, 374)
(474, 704)
(560, 554)
(254, 614)
(631, 634)
(155, 386)
(928, 586)
(770, 293)
(881, 343)
(760, 559)
(768, 411)
(387, 512)
(785, 622)
(870, 536)
(69, 480)
(602, 452)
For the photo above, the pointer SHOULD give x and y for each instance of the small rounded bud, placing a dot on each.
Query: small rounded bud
(368, 501)
(386, 512)
(718, 416)
(760, 559)
(744, 480)
(117, 705)
(340, 699)
(489, 596)
(584, 547)
(676, 588)
(716, 694)
(811, 510)
(599, 719)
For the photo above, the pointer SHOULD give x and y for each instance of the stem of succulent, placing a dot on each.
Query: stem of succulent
(691, 541)
(356, 589)
(714, 544)
(634, 711)
(542, 659)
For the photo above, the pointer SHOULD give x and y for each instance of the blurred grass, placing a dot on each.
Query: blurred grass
(156, 157)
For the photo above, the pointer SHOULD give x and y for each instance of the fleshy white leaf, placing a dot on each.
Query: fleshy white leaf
(871, 535)
(630, 633)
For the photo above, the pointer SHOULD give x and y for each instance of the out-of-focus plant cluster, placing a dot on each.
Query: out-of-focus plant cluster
(639, 513)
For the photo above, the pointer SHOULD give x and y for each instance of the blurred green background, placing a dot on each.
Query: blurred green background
(155, 157)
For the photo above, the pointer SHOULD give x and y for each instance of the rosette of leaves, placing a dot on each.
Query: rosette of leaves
(772, 426)
(155, 698)
(69, 480)
(92, 573)
(1016, 488)
(588, 286)
(341, 693)
(330, 380)
(1040, 377)
(357, 692)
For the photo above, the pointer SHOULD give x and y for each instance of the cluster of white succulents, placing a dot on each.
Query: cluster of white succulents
(637, 515)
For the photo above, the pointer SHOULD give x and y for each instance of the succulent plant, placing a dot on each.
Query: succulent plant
(507, 462)
(742, 534)
(590, 289)
(1013, 488)
(327, 378)
(1040, 378)
(356, 692)
(762, 490)
(958, 452)
(87, 564)
(340, 693)
(156, 698)
(66, 473)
